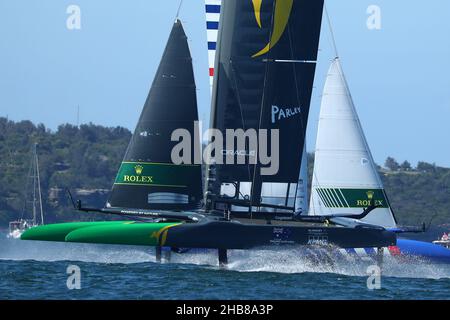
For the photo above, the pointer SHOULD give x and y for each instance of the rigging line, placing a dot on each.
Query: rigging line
(34, 189)
(238, 96)
(213, 115)
(179, 9)
(262, 111)
(333, 41)
(302, 124)
(27, 187)
(39, 184)
(330, 26)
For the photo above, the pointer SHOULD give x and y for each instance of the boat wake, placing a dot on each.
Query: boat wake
(323, 261)
(308, 260)
(17, 250)
(281, 260)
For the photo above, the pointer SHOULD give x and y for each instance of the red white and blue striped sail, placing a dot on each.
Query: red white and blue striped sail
(212, 29)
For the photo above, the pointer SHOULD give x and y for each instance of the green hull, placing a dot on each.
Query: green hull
(211, 234)
(117, 232)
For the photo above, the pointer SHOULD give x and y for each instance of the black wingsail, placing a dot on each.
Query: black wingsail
(265, 66)
(148, 178)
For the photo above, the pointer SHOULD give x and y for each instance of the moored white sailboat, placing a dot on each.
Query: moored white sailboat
(17, 227)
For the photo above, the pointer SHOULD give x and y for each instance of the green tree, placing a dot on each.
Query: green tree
(426, 167)
(406, 166)
(391, 164)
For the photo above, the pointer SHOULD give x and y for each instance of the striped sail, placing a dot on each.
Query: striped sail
(345, 179)
(212, 8)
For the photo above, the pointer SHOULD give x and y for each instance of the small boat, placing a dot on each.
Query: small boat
(444, 241)
(18, 227)
(33, 189)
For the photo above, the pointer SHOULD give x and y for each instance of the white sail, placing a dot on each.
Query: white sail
(345, 179)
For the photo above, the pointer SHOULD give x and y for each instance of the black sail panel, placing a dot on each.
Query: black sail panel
(266, 60)
(147, 178)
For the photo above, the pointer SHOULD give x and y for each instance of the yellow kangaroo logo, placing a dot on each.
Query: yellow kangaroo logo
(163, 231)
(283, 9)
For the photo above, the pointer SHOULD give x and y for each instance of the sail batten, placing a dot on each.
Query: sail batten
(345, 179)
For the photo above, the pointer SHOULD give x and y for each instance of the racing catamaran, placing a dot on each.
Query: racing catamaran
(264, 73)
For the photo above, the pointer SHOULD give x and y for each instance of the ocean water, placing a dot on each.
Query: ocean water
(38, 270)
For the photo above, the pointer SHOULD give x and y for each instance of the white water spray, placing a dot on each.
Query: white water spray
(295, 260)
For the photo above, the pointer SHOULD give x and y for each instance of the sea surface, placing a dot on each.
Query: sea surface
(39, 270)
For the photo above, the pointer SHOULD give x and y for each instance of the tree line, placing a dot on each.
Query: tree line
(86, 158)
(392, 165)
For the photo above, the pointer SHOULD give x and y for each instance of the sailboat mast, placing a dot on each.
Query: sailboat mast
(34, 185)
(38, 183)
(330, 26)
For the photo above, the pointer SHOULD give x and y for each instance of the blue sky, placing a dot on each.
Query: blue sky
(399, 75)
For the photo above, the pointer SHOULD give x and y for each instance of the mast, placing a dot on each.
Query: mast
(264, 72)
(39, 184)
(34, 184)
(34, 196)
